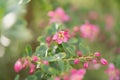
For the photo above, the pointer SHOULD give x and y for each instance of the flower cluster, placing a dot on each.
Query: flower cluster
(23, 63)
(96, 58)
(63, 56)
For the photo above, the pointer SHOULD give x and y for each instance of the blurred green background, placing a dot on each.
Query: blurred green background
(22, 21)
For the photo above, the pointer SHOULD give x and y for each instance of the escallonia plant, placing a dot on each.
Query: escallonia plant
(60, 56)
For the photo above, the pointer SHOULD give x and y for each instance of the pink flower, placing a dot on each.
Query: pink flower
(77, 74)
(112, 72)
(58, 16)
(86, 65)
(97, 54)
(35, 58)
(89, 31)
(76, 61)
(18, 66)
(45, 62)
(103, 61)
(32, 68)
(61, 36)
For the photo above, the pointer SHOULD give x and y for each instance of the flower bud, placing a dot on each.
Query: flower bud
(35, 58)
(97, 54)
(48, 39)
(103, 61)
(18, 66)
(86, 65)
(32, 68)
(76, 61)
(45, 62)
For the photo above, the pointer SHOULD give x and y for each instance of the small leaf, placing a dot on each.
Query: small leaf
(69, 49)
(56, 57)
(51, 30)
(61, 65)
(28, 50)
(41, 50)
(41, 39)
(73, 41)
(33, 77)
(49, 70)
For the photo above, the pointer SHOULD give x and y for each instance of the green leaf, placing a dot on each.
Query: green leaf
(49, 70)
(17, 77)
(117, 61)
(28, 50)
(85, 49)
(38, 74)
(51, 30)
(41, 50)
(41, 39)
(73, 41)
(56, 57)
(61, 65)
(33, 77)
(69, 49)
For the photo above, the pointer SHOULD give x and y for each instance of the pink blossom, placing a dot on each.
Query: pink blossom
(97, 54)
(77, 74)
(112, 72)
(89, 31)
(18, 66)
(58, 16)
(103, 61)
(35, 58)
(61, 36)
(86, 65)
(76, 61)
(45, 62)
(32, 68)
